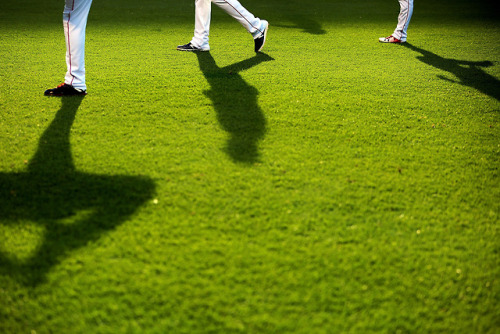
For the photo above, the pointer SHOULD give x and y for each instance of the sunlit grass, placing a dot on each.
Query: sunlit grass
(333, 184)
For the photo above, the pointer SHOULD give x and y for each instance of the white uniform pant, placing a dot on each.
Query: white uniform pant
(75, 22)
(406, 10)
(251, 23)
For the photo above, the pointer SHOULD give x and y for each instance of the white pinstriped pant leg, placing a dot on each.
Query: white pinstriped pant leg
(202, 17)
(251, 23)
(75, 22)
(405, 13)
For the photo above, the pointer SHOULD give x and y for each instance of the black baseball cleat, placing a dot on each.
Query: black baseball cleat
(191, 47)
(65, 90)
(261, 40)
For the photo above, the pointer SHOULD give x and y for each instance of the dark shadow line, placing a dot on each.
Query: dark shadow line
(306, 24)
(235, 102)
(468, 73)
(52, 191)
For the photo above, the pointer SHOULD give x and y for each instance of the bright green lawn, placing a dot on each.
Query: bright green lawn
(333, 184)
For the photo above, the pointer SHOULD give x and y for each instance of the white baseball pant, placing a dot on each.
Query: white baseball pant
(75, 22)
(406, 10)
(251, 23)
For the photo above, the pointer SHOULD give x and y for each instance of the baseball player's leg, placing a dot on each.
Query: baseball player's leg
(252, 24)
(202, 19)
(203, 12)
(405, 13)
(255, 26)
(75, 22)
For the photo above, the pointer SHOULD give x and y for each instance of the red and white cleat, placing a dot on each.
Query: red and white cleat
(390, 39)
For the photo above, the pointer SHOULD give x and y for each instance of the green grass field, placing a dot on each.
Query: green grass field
(332, 184)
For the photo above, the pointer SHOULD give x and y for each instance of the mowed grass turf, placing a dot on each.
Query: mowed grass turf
(332, 184)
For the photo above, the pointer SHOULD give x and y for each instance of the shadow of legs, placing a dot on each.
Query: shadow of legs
(72, 208)
(235, 103)
(468, 73)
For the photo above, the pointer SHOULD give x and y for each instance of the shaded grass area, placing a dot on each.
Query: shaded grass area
(51, 190)
(348, 189)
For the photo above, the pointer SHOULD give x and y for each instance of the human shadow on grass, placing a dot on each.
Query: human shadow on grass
(304, 23)
(235, 103)
(73, 208)
(469, 73)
